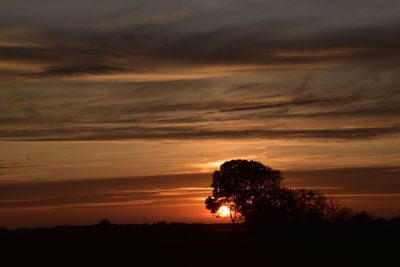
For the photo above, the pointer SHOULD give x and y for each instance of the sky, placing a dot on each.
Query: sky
(124, 108)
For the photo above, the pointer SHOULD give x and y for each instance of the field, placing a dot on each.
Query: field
(201, 244)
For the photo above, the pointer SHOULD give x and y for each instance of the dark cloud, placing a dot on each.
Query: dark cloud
(6, 164)
(289, 104)
(372, 113)
(149, 118)
(77, 70)
(193, 133)
(266, 44)
(261, 43)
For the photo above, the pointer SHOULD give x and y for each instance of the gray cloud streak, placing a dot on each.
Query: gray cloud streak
(186, 133)
(77, 70)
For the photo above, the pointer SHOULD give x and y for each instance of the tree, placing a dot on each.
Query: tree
(255, 192)
(240, 183)
(104, 222)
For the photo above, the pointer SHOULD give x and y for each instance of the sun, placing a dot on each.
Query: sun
(223, 211)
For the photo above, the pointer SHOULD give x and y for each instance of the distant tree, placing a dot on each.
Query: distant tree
(332, 207)
(282, 204)
(363, 217)
(3, 230)
(255, 192)
(395, 218)
(344, 215)
(311, 205)
(336, 213)
(104, 222)
(395, 221)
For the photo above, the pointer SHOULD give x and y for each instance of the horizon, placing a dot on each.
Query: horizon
(124, 110)
(180, 197)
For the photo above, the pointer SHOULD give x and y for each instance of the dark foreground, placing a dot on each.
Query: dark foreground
(205, 245)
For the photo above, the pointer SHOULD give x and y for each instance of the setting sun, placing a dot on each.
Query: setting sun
(223, 211)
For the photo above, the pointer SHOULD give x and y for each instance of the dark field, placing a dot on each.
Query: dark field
(202, 244)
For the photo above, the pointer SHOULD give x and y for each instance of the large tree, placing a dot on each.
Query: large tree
(239, 183)
(255, 192)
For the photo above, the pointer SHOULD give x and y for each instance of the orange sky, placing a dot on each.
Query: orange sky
(177, 197)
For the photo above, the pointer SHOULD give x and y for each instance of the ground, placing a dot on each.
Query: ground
(202, 244)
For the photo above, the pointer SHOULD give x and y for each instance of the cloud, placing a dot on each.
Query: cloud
(206, 109)
(6, 164)
(159, 189)
(288, 104)
(67, 52)
(204, 74)
(76, 70)
(194, 133)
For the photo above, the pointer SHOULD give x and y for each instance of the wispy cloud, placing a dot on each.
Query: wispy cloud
(178, 72)
(58, 71)
(187, 133)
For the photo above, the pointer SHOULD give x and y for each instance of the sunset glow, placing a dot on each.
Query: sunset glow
(223, 211)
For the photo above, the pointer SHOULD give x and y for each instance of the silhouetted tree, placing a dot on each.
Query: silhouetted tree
(239, 183)
(395, 219)
(363, 217)
(341, 215)
(255, 192)
(3, 230)
(282, 204)
(105, 222)
(311, 205)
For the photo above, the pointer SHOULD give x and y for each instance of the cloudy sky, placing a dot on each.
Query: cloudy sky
(97, 91)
